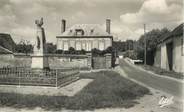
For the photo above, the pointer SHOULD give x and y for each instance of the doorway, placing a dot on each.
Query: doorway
(169, 47)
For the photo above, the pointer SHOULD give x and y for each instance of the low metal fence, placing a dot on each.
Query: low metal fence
(34, 77)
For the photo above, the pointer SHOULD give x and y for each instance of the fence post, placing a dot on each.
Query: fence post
(56, 78)
(19, 77)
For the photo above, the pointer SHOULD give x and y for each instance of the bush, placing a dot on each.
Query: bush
(71, 50)
(97, 52)
(59, 51)
(83, 51)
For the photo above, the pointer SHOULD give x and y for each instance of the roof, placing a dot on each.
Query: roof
(5, 51)
(7, 42)
(86, 29)
(111, 37)
(178, 31)
(166, 36)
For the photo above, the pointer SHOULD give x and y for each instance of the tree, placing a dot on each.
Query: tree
(152, 40)
(51, 48)
(129, 45)
(24, 46)
(119, 45)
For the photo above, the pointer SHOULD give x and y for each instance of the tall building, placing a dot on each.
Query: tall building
(84, 36)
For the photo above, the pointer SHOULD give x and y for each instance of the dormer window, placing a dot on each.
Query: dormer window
(92, 30)
(79, 32)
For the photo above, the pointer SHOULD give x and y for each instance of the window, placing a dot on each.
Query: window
(78, 45)
(101, 45)
(59, 44)
(83, 44)
(79, 32)
(92, 30)
(65, 45)
(88, 45)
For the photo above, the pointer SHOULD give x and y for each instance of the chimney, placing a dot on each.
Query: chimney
(108, 26)
(63, 25)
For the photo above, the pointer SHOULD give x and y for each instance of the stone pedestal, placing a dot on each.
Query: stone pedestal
(39, 62)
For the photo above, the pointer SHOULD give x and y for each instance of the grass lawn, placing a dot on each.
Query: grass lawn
(108, 89)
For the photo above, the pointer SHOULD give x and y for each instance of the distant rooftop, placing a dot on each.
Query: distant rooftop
(85, 30)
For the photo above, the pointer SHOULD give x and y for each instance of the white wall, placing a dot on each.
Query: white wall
(178, 59)
(84, 43)
(178, 65)
(164, 62)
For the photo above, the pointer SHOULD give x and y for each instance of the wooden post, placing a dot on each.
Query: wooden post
(19, 77)
(56, 78)
(145, 47)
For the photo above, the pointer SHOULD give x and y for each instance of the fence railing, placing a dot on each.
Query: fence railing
(34, 77)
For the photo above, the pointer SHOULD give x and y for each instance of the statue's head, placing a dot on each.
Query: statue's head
(39, 23)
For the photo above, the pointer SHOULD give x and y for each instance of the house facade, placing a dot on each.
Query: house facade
(84, 37)
(87, 37)
(170, 52)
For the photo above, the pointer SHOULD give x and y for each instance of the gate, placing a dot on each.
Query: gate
(99, 62)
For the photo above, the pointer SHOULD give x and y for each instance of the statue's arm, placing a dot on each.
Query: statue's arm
(39, 22)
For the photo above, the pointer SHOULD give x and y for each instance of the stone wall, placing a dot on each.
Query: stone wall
(56, 62)
(102, 62)
(6, 60)
(66, 62)
(15, 61)
(24, 61)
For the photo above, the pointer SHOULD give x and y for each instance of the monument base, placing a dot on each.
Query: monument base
(40, 62)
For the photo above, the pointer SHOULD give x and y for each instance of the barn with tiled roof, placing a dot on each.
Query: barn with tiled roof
(170, 52)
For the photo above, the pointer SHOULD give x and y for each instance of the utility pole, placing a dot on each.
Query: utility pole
(145, 47)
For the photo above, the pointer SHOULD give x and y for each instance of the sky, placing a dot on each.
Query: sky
(17, 17)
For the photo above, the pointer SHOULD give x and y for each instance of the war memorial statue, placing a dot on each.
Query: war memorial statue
(39, 58)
